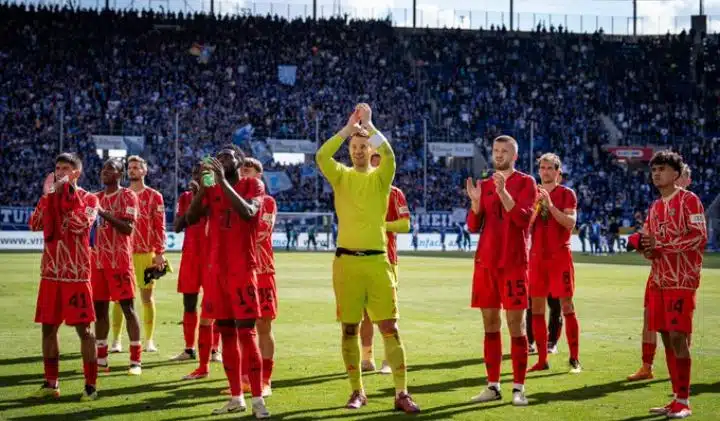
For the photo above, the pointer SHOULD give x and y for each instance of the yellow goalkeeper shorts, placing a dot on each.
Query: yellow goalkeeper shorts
(142, 261)
(364, 283)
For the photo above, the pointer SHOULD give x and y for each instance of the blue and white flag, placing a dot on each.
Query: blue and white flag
(287, 75)
(261, 152)
(277, 181)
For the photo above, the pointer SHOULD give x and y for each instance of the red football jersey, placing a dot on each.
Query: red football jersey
(114, 249)
(264, 250)
(66, 218)
(678, 224)
(548, 236)
(233, 239)
(504, 240)
(397, 209)
(195, 234)
(149, 233)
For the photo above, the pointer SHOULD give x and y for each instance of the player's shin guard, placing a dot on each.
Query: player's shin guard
(231, 358)
(672, 368)
(572, 331)
(251, 354)
(117, 322)
(149, 320)
(682, 384)
(204, 345)
(648, 353)
(135, 352)
(190, 325)
(395, 356)
(351, 357)
(267, 369)
(519, 354)
(90, 370)
(493, 356)
(541, 336)
(52, 369)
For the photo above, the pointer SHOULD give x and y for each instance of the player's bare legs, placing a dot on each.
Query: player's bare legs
(366, 340)
(117, 323)
(649, 345)
(133, 330)
(352, 358)
(572, 332)
(190, 327)
(266, 341)
(395, 356)
(540, 333)
(147, 295)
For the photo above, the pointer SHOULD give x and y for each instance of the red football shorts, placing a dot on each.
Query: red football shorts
(670, 310)
(113, 284)
(231, 297)
(268, 295)
(500, 288)
(69, 302)
(193, 271)
(553, 277)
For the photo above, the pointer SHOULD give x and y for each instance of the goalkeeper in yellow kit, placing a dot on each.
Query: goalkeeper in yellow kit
(362, 275)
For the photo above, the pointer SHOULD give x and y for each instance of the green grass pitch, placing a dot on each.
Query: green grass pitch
(443, 337)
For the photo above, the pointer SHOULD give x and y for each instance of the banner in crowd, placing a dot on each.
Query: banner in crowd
(287, 74)
(292, 146)
(12, 217)
(261, 152)
(134, 145)
(29, 241)
(634, 153)
(459, 150)
(277, 181)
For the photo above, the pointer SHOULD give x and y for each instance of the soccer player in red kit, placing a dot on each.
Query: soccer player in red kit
(65, 215)
(232, 206)
(267, 289)
(674, 239)
(114, 276)
(501, 207)
(397, 220)
(649, 338)
(551, 266)
(193, 272)
(148, 249)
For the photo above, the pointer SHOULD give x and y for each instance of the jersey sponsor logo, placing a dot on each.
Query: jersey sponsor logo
(697, 218)
(130, 210)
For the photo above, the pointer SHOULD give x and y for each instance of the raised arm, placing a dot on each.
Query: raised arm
(565, 216)
(519, 208)
(695, 237)
(82, 211)
(248, 207)
(476, 214)
(125, 221)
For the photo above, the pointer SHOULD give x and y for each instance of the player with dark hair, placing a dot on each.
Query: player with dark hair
(232, 205)
(502, 206)
(673, 238)
(148, 250)
(192, 276)
(114, 276)
(397, 220)
(65, 215)
(252, 168)
(551, 265)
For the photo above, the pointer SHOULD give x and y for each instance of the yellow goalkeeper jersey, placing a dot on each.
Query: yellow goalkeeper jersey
(361, 198)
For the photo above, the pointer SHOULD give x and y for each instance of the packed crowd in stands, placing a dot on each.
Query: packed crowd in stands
(130, 73)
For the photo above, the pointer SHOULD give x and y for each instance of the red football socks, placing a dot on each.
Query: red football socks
(52, 367)
(90, 370)
(541, 336)
(648, 353)
(672, 368)
(215, 337)
(204, 338)
(682, 384)
(251, 353)
(519, 354)
(135, 352)
(267, 369)
(493, 356)
(572, 331)
(190, 325)
(231, 358)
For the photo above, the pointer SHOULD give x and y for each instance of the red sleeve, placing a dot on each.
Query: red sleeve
(522, 211)
(129, 209)
(570, 200)
(83, 213)
(695, 235)
(38, 216)
(401, 205)
(254, 190)
(475, 220)
(183, 204)
(158, 224)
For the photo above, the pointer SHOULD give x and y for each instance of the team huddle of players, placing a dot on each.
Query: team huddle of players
(523, 257)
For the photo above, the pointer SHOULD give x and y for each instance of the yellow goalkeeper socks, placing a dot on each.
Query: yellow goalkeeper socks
(118, 320)
(395, 356)
(351, 357)
(149, 320)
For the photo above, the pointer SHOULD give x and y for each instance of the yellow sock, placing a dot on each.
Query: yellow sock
(118, 320)
(367, 353)
(395, 356)
(351, 357)
(149, 320)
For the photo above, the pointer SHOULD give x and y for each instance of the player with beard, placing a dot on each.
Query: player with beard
(502, 206)
(232, 205)
(148, 250)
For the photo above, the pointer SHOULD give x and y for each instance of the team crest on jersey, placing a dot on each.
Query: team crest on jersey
(671, 212)
(90, 212)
